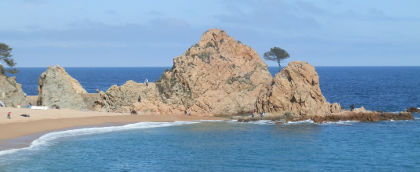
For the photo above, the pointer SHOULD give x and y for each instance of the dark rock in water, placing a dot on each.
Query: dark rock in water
(413, 110)
(363, 117)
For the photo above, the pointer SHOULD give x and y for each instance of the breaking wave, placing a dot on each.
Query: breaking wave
(48, 138)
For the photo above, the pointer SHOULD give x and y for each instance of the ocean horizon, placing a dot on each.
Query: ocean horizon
(234, 146)
(345, 85)
(185, 86)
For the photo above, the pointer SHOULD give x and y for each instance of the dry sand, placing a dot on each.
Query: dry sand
(42, 121)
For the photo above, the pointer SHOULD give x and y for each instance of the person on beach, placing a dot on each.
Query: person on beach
(133, 112)
(189, 113)
(146, 82)
(185, 113)
(352, 107)
(8, 115)
(252, 113)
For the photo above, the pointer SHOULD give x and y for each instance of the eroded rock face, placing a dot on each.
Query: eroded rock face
(218, 75)
(296, 89)
(58, 89)
(134, 96)
(11, 93)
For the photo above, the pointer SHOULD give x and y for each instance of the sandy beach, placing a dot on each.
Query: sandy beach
(44, 121)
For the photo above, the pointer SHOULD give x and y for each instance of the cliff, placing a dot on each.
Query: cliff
(218, 75)
(295, 91)
(57, 89)
(11, 93)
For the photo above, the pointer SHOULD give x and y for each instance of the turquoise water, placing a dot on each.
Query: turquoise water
(261, 146)
(231, 146)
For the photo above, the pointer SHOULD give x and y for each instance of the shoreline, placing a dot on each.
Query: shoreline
(20, 132)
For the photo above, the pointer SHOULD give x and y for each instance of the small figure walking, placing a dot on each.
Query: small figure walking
(262, 115)
(352, 107)
(252, 113)
(147, 82)
(189, 113)
(8, 115)
(185, 113)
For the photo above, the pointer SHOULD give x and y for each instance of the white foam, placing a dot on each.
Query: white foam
(349, 122)
(308, 121)
(47, 139)
(262, 122)
(211, 120)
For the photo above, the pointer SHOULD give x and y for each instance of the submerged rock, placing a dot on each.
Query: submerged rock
(365, 116)
(295, 90)
(361, 116)
(57, 89)
(11, 93)
(413, 110)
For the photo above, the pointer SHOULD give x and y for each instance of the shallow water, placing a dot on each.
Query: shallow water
(232, 146)
(257, 146)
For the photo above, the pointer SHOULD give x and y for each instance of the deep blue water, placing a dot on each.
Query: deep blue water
(376, 88)
(231, 146)
(91, 78)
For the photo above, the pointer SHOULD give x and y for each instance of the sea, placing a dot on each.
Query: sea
(234, 146)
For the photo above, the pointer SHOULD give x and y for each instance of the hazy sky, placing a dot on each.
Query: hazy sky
(91, 33)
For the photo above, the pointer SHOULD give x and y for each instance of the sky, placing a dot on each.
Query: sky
(137, 33)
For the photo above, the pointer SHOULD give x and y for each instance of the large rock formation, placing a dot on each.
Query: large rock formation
(218, 75)
(58, 89)
(11, 93)
(295, 91)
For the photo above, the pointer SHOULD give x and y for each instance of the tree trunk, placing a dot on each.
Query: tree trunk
(278, 61)
(2, 71)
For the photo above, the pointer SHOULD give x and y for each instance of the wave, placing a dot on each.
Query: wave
(308, 121)
(47, 139)
(214, 120)
(349, 122)
(263, 122)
